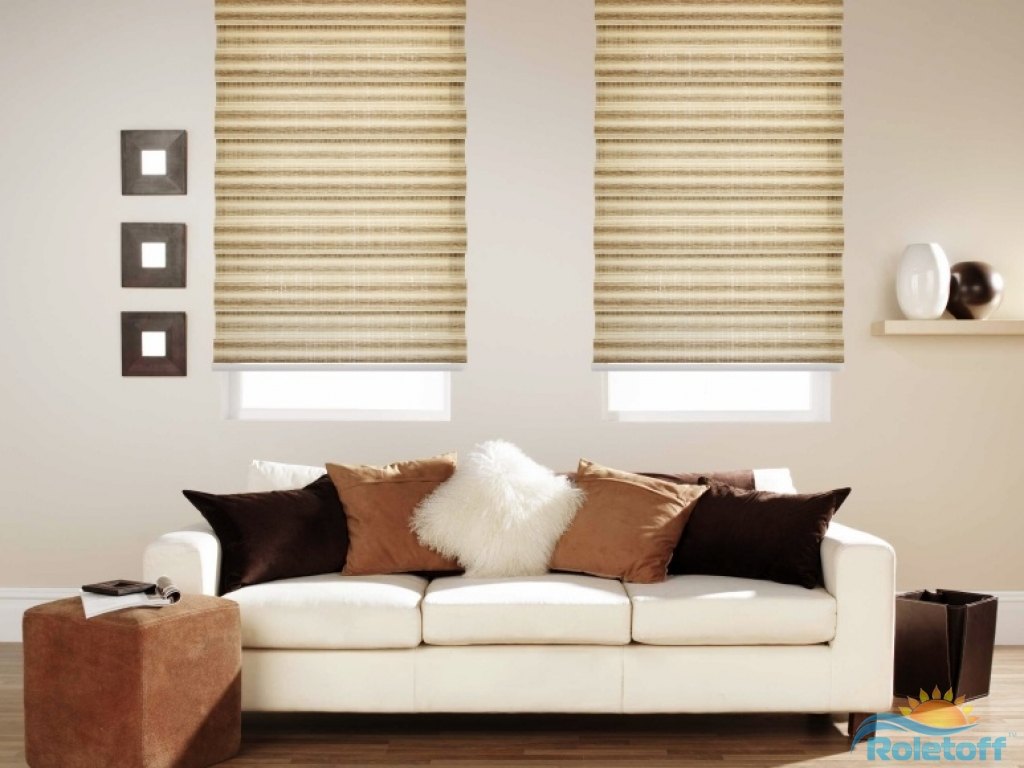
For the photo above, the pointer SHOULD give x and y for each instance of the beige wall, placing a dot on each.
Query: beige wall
(928, 432)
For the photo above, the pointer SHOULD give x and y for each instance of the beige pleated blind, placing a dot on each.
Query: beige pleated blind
(719, 229)
(340, 182)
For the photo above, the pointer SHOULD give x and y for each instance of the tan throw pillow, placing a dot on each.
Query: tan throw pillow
(378, 504)
(628, 526)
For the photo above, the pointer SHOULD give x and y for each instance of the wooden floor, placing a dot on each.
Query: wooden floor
(544, 741)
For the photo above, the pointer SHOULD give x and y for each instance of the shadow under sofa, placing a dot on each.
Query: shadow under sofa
(561, 642)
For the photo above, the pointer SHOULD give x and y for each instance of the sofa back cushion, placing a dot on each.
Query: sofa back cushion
(776, 480)
(628, 525)
(275, 476)
(379, 503)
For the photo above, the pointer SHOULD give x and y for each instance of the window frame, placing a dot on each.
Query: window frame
(233, 410)
(820, 390)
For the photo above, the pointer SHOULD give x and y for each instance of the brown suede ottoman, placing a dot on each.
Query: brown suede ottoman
(136, 688)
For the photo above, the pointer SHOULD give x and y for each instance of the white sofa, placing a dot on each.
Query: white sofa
(560, 642)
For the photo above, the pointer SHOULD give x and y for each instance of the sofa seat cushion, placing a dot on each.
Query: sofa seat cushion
(549, 609)
(723, 610)
(332, 611)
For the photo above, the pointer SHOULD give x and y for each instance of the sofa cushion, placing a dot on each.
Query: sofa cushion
(556, 608)
(332, 611)
(778, 480)
(723, 610)
(275, 476)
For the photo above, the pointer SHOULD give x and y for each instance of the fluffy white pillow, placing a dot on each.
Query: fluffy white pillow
(500, 514)
(275, 476)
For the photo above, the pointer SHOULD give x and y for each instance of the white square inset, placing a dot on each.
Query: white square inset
(154, 162)
(154, 343)
(154, 255)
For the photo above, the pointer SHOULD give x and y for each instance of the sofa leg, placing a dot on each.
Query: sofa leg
(855, 722)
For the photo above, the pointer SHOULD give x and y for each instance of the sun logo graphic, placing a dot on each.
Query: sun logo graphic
(940, 710)
(932, 720)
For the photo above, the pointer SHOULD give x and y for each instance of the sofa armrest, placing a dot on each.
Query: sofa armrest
(190, 557)
(860, 572)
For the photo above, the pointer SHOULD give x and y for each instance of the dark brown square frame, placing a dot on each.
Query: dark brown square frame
(174, 182)
(173, 324)
(133, 274)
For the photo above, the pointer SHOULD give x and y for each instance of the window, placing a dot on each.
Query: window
(718, 229)
(354, 395)
(340, 183)
(717, 395)
(340, 221)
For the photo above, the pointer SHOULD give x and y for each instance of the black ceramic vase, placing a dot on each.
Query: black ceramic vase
(975, 290)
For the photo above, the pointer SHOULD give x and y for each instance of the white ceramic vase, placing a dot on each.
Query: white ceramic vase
(922, 281)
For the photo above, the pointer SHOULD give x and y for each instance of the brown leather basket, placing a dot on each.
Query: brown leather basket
(944, 639)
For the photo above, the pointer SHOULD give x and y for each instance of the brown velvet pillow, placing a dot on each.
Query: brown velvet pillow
(379, 502)
(627, 527)
(737, 478)
(757, 535)
(277, 534)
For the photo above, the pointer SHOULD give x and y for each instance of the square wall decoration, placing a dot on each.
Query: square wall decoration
(154, 162)
(154, 344)
(153, 255)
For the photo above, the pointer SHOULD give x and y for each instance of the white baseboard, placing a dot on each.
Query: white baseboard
(14, 601)
(1010, 625)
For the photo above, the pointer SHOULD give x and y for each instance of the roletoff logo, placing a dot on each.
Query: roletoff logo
(933, 720)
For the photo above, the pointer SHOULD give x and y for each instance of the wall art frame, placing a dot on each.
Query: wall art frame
(137, 360)
(153, 255)
(154, 162)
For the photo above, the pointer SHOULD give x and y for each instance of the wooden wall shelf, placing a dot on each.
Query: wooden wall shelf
(948, 328)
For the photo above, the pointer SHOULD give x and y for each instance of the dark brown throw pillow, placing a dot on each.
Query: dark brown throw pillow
(277, 534)
(757, 535)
